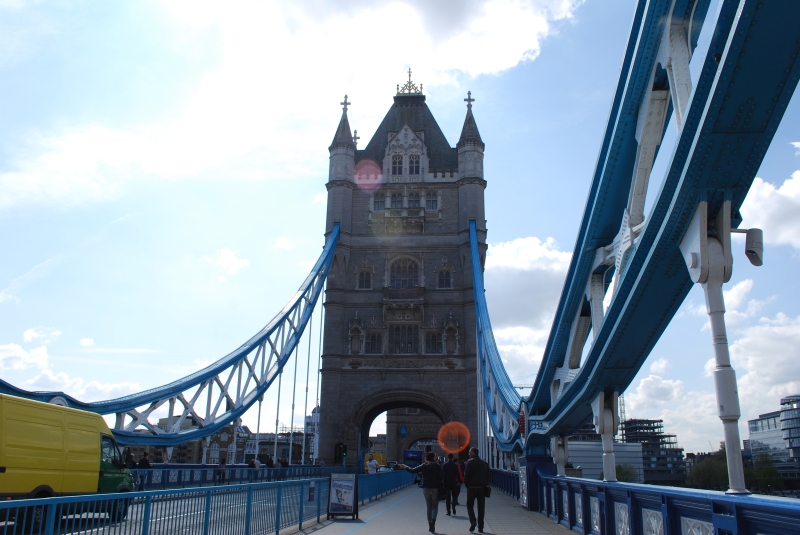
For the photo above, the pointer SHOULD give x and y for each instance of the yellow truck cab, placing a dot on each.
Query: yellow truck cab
(48, 450)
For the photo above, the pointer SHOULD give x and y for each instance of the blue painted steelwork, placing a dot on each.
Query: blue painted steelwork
(506, 481)
(251, 508)
(240, 378)
(502, 399)
(180, 476)
(745, 84)
(610, 508)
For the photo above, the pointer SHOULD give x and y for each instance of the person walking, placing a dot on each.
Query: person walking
(452, 483)
(476, 478)
(432, 478)
(144, 464)
(372, 465)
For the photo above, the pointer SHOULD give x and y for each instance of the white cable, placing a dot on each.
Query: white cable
(308, 374)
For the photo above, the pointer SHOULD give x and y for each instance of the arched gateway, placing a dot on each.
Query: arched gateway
(399, 311)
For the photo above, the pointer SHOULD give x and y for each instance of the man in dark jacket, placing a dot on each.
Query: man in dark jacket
(452, 482)
(432, 477)
(476, 478)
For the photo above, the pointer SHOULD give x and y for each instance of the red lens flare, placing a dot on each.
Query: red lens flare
(454, 437)
(367, 176)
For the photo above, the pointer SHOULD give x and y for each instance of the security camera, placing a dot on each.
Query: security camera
(754, 246)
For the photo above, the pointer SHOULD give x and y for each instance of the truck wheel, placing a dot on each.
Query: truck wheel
(119, 510)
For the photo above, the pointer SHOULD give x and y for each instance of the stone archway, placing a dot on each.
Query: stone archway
(370, 407)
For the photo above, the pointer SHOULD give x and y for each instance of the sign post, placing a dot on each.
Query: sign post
(343, 496)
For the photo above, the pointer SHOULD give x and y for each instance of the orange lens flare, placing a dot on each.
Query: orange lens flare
(454, 437)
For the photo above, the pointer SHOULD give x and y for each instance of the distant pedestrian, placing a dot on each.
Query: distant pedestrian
(144, 464)
(372, 465)
(257, 463)
(270, 462)
(452, 483)
(476, 478)
(284, 462)
(432, 478)
(222, 470)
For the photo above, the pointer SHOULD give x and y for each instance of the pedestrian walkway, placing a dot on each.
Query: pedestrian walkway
(403, 513)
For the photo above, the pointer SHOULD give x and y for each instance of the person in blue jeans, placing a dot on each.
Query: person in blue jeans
(432, 479)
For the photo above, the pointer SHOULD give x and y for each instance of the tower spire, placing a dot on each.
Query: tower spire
(343, 135)
(469, 133)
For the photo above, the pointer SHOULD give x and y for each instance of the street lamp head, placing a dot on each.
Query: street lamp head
(754, 246)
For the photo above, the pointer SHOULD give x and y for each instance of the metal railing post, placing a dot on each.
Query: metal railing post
(50, 521)
(207, 516)
(248, 512)
(278, 510)
(318, 491)
(146, 515)
(302, 502)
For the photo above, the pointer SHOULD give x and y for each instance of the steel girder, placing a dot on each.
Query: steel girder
(502, 399)
(745, 84)
(218, 394)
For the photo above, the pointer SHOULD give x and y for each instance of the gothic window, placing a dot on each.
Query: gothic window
(404, 273)
(355, 341)
(433, 343)
(431, 203)
(413, 200)
(397, 165)
(373, 345)
(365, 280)
(404, 339)
(397, 200)
(444, 279)
(379, 203)
(413, 165)
(451, 341)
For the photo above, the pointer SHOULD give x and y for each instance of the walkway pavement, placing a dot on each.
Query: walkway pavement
(403, 512)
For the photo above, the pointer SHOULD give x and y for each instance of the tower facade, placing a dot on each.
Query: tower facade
(399, 328)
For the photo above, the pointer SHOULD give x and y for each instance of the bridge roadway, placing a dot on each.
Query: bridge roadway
(403, 513)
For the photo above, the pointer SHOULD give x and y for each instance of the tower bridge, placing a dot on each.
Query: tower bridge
(406, 322)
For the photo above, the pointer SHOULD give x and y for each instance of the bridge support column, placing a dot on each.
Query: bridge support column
(606, 422)
(710, 263)
(558, 446)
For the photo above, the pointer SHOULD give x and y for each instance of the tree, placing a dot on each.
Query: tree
(625, 474)
(711, 473)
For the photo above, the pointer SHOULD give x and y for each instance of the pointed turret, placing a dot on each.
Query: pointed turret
(342, 149)
(470, 145)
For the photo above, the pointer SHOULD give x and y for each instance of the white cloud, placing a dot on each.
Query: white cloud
(226, 261)
(528, 254)
(659, 366)
(653, 392)
(13, 357)
(36, 272)
(76, 387)
(46, 334)
(283, 243)
(775, 210)
(796, 144)
(220, 129)
(87, 342)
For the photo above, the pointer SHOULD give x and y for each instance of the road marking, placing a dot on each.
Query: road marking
(377, 515)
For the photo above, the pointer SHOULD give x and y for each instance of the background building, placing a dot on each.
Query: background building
(662, 458)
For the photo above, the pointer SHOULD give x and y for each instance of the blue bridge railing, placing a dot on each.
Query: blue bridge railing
(506, 481)
(241, 509)
(589, 506)
(181, 476)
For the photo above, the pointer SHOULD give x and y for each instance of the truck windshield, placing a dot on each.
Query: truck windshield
(110, 452)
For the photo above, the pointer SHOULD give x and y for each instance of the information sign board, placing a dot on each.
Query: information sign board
(343, 496)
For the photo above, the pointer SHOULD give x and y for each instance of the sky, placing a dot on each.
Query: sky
(163, 169)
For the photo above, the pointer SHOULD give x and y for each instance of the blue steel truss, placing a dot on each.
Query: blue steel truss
(502, 399)
(218, 394)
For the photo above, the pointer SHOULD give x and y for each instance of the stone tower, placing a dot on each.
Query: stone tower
(399, 311)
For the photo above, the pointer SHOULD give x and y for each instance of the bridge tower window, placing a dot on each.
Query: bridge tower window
(413, 200)
(433, 343)
(365, 280)
(431, 202)
(379, 203)
(404, 339)
(445, 280)
(373, 345)
(397, 200)
(404, 273)
(413, 165)
(397, 165)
